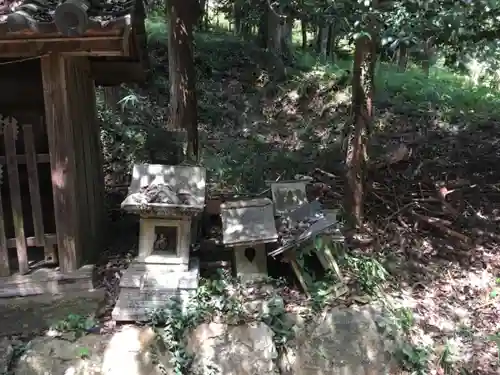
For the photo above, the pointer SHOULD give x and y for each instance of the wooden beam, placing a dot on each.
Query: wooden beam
(49, 239)
(62, 160)
(90, 46)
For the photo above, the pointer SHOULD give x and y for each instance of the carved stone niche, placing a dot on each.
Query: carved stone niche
(250, 262)
(164, 241)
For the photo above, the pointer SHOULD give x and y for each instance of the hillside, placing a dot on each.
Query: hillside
(440, 247)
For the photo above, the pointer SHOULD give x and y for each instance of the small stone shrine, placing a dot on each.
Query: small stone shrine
(169, 200)
(247, 225)
(288, 195)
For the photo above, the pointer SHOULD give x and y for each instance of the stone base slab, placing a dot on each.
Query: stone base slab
(148, 287)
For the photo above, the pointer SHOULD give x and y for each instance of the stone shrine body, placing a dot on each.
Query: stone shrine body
(169, 200)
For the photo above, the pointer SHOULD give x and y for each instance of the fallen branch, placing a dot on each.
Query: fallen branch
(325, 177)
(436, 223)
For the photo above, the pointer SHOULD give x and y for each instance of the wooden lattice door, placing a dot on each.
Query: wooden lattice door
(18, 137)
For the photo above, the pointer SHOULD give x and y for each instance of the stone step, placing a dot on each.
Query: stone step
(141, 275)
(136, 305)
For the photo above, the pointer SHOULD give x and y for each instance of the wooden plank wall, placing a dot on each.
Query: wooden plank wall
(76, 157)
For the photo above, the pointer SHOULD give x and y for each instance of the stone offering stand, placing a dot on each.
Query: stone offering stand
(168, 200)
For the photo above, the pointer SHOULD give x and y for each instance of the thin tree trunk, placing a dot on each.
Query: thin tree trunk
(324, 41)
(182, 75)
(207, 16)
(359, 129)
(428, 55)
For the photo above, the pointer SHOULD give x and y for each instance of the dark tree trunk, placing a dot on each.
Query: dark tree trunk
(359, 129)
(202, 15)
(182, 75)
(263, 29)
(112, 97)
(286, 37)
(140, 31)
(303, 29)
(319, 31)
(246, 29)
(275, 31)
(331, 43)
(402, 57)
(238, 17)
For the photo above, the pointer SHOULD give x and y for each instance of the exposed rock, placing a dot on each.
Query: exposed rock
(128, 352)
(6, 354)
(226, 350)
(132, 352)
(49, 355)
(340, 341)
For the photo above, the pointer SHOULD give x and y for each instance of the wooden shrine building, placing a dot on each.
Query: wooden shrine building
(52, 54)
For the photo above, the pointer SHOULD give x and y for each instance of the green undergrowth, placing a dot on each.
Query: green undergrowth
(450, 97)
(246, 137)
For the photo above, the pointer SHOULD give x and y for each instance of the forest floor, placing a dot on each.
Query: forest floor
(433, 195)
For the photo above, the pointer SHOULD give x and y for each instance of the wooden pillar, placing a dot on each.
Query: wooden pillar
(76, 163)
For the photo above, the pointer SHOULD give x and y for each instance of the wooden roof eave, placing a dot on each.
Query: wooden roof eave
(100, 39)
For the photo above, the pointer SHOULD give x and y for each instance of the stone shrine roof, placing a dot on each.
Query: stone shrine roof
(36, 18)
